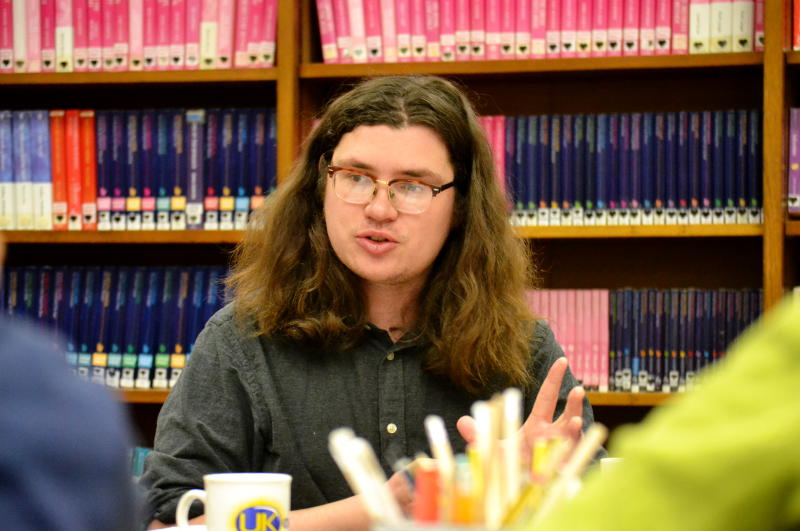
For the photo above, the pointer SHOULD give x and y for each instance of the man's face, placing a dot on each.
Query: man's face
(374, 240)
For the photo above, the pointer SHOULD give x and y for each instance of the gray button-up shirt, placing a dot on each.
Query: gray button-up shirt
(255, 404)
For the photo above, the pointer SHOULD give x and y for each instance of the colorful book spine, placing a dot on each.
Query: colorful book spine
(108, 12)
(242, 141)
(195, 147)
(58, 164)
(133, 319)
(758, 25)
(647, 27)
(599, 28)
(88, 141)
(327, 30)
(507, 29)
(166, 329)
(240, 58)
(178, 352)
(569, 24)
(418, 43)
(147, 146)
(8, 205)
(7, 36)
(80, 24)
(116, 332)
(177, 171)
(372, 31)
(23, 184)
(163, 141)
(136, 35)
(462, 19)
(40, 171)
(631, 20)
(94, 35)
(538, 30)
(65, 36)
(72, 131)
(523, 27)
(209, 33)
(492, 12)
(211, 170)
(583, 35)
(20, 37)
(793, 198)
(225, 34)
(721, 30)
(743, 25)
(342, 27)
(118, 145)
(432, 31)
(33, 31)
(257, 163)
(553, 32)
(615, 21)
(477, 29)
(149, 38)
(699, 26)
(389, 30)
(102, 322)
(177, 34)
(133, 170)
(102, 131)
(147, 344)
(255, 34)
(122, 35)
(163, 12)
(193, 20)
(664, 26)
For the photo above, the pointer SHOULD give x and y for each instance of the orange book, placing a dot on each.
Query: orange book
(59, 169)
(88, 170)
(74, 177)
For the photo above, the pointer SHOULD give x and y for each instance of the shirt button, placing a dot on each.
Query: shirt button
(391, 427)
(390, 356)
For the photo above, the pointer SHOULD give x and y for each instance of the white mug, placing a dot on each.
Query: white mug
(241, 502)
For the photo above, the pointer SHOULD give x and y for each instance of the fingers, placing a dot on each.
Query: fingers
(545, 405)
(574, 407)
(466, 427)
(573, 429)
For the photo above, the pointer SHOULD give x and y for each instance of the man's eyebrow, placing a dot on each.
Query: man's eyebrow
(414, 173)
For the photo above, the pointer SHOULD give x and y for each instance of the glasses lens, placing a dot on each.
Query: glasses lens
(352, 187)
(410, 197)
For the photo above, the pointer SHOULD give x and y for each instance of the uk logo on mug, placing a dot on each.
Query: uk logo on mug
(261, 517)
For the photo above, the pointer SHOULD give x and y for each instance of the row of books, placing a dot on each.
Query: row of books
(167, 169)
(630, 169)
(128, 327)
(115, 35)
(638, 340)
(793, 175)
(362, 31)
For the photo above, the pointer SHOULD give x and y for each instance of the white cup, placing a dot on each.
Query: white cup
(609, 463)
(241, 502)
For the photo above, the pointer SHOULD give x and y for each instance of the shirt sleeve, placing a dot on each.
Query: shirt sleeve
(206, 424)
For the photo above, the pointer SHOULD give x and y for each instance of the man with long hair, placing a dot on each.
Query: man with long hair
(380, 283)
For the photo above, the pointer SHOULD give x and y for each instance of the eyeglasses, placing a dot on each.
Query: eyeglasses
(406, 195)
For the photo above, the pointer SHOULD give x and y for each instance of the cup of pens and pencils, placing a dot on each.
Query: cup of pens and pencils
(497, 484)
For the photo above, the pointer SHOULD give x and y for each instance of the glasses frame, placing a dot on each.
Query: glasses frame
(435, 190)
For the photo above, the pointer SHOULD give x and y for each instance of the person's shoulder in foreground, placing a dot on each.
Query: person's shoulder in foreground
(63, 463)
(724, 457)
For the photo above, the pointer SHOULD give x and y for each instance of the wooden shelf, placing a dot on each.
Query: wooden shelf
(143, 396)
(628, 399)
(493, 68)
(132, 237)
(793, 58)
(158, 396)
(107, 78)
(641, 231)
(793, 227)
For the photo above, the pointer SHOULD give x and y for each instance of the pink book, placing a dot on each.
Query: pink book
(358, 36)
(64, 36)
(48, 33)
(590, 338)
(107, 14)
(538, 29)
(569, 25)
(33, 30)
(327, 31)
(584, 335)
(388, 31)
(447, 29)
(603, 340)
(255, 33)
(553, 33)
(499, 143)
(163, 13)
(507, 29)
(342, 24)
(136, 22)
(270, 33)
(418, 46)
(225, 33)
(121, 35)
(758, 24)
(614, 28)
(462, 19)
(6, 36)
(630, 27)
(210, 12)
(192, 32)
(680, 27)
(94, 35)
(432, 29)
(149, 40)
(522, 29)
(80, 23)
(599, 28)
(555, 313)
(663, 26)
(240, 33)
(477, 30)
(372, 31)
(573, 318)
(583, 36)
(647, 27)
(177, 37)
(492, 15)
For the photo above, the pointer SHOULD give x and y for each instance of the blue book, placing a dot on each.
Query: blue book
(117, 325)
(613, 172)
(691, 337)
(674, 324)
(729, 155)
(12, 291)
(151, 318)
(227, 169)
(133, 325)
(533, 161)
(652, 142)
(637, 175)
(580, 157)
(636, 337)
(258, 157)
(272, 151)
(672, 174)
(133, 171)
(643, 343)
(177, 358)
(520, 164)
(602, 168)
(555, 170)
(543, 171)
(60, 300)
(509, 185)
(199, 284)
(211, 295)
(119, 169)
(178, 175)
(72, 316)
(652, 339)
(23, 176)
(567, 185)
(663, 163)
(30, 292)
(707, 167)
(613, 323)
(684, 327)
(163, 169)
(590, 173)
(241, 173)
(718, 165)
(754, 166)
(742, 131)
(624, 176)
(8, 203)
(44, 301)
(103, 154)
(683, 175)
(165, 338)
(88, 320)
(41, 175)
(148, 147)
(694, 142)
(104, 295)
(195, 148)
(211, 170)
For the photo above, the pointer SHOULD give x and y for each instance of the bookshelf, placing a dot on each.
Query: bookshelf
(705, 256)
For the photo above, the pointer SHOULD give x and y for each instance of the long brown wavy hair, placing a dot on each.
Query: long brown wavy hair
(471, 313)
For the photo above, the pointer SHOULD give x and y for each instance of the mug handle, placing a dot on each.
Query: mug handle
(182, 512)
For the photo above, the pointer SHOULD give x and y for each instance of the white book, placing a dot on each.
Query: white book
(743, 25)
(20, 37)
(721, 26)
(699, 26)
